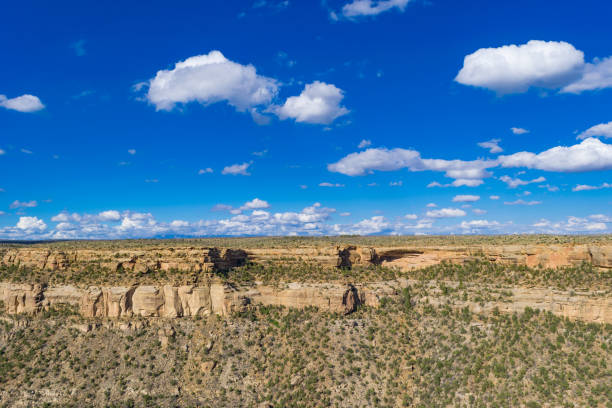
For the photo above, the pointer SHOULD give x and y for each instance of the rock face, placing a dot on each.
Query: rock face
(185, 259)
(137, 261)
(21, 298)
(350, 300)
(223, 299)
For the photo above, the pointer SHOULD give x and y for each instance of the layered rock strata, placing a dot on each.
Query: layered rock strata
(223, 299)
(165, 258)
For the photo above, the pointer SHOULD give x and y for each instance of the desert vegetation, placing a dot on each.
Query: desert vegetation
(404, 353)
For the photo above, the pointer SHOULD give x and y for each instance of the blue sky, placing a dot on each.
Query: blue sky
(285, 117)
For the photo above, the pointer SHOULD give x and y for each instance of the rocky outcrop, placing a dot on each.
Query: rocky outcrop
(223, 299)
(191, 259)
(135, 261)
(21, 298)
(350, 300)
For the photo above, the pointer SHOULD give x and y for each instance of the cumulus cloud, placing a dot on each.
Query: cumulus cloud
(237, 169)
(597, 75)
(590, 155)
(23, 204)
(518, 130)
(210, 78)
(365, 8)
(586, 187)
(540, 64)
(109, 215)
(603, 129)
(319, 103)
(465, 198)
(381, 159)
(411, 216)
(516, 68)
(31, 224)
(515, 182)
(254, 204)
(24, 103)
(492, 145)
(446, 213)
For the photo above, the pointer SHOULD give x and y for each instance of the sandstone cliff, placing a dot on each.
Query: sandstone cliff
(223, 299)
(221, 259)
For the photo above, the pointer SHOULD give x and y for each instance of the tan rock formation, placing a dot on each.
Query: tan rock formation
(153, 259)
(223, 299)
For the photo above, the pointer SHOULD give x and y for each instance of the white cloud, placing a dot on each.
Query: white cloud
(574, 225)
(205, 171)
(478, 211)
(364, 8)
(597, 75)
(26, 151)
(446, 213)
(24, 103)
(515, 182)
(364, 143)
(319, 103)
(522, 202)
(479, 224)
(466, 183)
(311, 220)
(132, 151)
(492, 145)
(590, 155)
(345, 214)
(23, 204)
(549, 187)
(210, 78)
(237, 169)
(603, 129)
(374, 225)
(601, 218)
(516, 68)
(518, 130)
(2, 152)
(109, 215)
(177, 224)
(494, 197)
(255, 204)
(586, 187)
(396, 183)
(431, 205)
(326, 184)
(457, 183)
(381, 159)
(541, 64)
(465, 198)
(31, 224)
